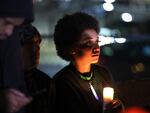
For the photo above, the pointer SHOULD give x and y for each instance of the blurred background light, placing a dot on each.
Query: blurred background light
(126, 17)
(146, 50)
(108, 6)
(108, 51)
(105, 31)
(109, 1)
(68, 0)
(137, 68)
(105, 40)
(120, 40)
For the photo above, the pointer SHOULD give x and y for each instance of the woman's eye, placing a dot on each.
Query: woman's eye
(88, 44)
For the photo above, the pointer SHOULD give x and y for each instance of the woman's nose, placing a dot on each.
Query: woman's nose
(96, 49)
(96, 46)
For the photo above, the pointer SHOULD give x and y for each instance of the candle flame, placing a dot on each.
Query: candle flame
(108, 94)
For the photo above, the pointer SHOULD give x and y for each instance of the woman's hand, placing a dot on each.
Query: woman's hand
(115, 106)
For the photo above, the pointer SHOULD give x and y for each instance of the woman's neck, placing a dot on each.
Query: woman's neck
(82, 67)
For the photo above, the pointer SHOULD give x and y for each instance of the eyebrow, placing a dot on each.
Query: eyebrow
(89, 38)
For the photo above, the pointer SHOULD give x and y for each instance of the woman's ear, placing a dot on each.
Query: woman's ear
(76, 51)
(73, 52)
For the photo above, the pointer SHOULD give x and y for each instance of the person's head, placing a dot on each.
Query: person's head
(7, 26)
(76, 38)
(14, 13)
(30, 46)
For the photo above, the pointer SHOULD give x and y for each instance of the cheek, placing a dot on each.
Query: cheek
(36, 51)
(86, 54)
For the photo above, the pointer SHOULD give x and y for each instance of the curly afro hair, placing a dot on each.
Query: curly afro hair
(68, 31)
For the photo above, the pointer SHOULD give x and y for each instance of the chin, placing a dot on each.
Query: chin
(94, 62)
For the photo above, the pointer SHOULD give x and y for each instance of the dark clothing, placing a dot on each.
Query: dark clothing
(2, 102)
(39, 86)
(11, 71)
(74, 95)
(10, 64)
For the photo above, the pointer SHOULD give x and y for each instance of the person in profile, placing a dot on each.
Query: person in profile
(79, 85)
(39, 84)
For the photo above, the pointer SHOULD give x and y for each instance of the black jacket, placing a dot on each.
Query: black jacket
(74, 95)
(11, 71)
(40, 87)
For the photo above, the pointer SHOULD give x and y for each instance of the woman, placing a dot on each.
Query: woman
(39, 84)
(79, 85)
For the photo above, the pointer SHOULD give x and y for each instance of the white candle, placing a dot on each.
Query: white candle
(108, 94)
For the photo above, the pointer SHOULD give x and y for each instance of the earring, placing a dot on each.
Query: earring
(73, 53)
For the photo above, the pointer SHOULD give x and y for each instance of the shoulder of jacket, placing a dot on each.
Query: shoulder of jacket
(64, 71)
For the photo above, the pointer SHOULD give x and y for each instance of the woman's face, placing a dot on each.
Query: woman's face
(87, 50)
(31, 53)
